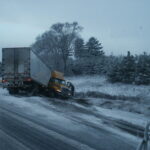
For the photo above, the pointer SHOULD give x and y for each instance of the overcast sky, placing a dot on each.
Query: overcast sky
(120, 25)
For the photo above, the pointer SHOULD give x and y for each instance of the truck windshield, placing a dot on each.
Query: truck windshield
(59, 81)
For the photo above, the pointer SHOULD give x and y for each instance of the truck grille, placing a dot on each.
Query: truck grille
(65, 91)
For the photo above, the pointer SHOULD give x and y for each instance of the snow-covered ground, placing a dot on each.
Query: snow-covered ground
(46, 109)
(131, 102)
(121, 102)
(100, 84)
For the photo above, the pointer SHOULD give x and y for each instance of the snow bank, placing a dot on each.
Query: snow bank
(126, 97)
(137, 119)
(100, 84)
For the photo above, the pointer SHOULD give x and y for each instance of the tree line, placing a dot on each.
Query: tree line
(63, 49)
(131, 69)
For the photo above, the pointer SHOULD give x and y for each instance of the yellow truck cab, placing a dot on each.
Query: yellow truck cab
(58, 85)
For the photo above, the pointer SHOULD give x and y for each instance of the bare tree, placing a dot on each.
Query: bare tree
(57, 44)
(67, 33)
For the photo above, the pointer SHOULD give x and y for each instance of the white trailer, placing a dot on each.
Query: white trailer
(21, 66)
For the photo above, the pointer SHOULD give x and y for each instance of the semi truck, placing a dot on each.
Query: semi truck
(24, 71)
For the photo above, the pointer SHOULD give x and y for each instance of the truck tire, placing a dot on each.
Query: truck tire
(52, 94)
(13, 91)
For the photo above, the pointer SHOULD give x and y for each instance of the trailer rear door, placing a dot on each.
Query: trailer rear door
(8, 62)
(16, 62)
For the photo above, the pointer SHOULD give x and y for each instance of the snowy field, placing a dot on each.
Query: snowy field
(100, 84)
(116, 96)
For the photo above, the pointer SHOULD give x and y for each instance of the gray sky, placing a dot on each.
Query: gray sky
(120, 25)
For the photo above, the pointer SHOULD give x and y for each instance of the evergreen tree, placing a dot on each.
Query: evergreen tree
(113, 67)
(127, 69)
(124, 70)
(94, 55)
(94, 47)
(143, 69)
(79, 48)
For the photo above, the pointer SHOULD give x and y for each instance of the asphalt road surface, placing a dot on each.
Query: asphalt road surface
(52, 128)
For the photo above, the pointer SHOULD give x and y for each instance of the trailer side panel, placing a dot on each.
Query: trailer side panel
(38, 70)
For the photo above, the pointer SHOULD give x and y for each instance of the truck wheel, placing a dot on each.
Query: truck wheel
(13, 91)
(10, 91)
(52, 94)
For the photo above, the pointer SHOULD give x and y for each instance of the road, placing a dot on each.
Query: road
(29, 124)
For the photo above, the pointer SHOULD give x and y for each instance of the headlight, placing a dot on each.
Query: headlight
(58, 90)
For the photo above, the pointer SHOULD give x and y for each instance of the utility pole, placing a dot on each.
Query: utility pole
(144, 144)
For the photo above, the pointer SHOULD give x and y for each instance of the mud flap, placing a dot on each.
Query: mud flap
(34, 92)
